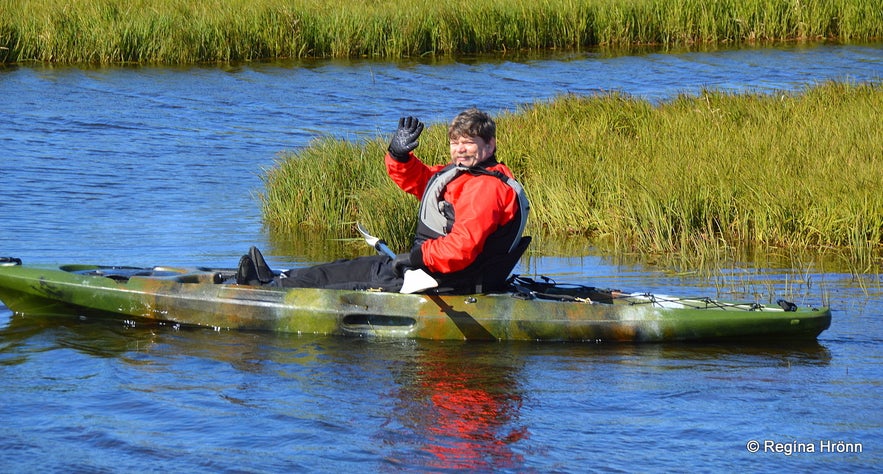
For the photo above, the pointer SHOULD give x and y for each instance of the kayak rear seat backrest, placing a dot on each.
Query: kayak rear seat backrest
(491, 277)
(495, 273)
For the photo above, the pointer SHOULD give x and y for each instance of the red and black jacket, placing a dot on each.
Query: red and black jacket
(483, 214)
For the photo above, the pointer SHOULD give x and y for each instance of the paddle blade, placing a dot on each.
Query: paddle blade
(370, 239)
(416, 281)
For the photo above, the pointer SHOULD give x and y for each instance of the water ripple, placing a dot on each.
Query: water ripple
(153, 165)
(180, 147)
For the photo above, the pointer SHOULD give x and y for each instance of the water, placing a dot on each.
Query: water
(145, 166)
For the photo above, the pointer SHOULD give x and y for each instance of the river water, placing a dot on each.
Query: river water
(160, 165)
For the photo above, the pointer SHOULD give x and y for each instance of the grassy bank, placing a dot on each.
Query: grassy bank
(185, 31)
(693, 176)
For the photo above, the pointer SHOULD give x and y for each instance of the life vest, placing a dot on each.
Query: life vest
(436, 219)
(436, 216)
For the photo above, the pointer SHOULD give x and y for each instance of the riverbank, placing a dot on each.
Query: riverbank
(695, 176)
(188, 31)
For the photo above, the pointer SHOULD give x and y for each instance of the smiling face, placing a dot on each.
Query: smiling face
(472, 136)
(470, 151)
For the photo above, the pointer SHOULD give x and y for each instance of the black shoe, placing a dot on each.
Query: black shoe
(247, 274)
(253, 269)
(262, 270)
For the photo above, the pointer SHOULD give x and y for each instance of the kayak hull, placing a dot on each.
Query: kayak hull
(201, 297)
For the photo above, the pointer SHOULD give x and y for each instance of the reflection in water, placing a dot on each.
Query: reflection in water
(26, 334)
(462, 409)
(285, 403)
(275, 400)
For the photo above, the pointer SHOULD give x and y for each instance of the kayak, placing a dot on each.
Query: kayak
(532, 310)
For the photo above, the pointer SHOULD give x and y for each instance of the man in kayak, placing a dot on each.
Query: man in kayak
(469, 227)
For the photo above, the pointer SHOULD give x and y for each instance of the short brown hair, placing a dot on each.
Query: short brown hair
(473, 123)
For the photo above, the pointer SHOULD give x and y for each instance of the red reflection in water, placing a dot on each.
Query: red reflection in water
(463, 414)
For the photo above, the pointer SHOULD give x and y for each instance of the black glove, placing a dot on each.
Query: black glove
(405, 138)
(401, 263)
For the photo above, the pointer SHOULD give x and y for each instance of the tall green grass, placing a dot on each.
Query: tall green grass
(185, 31)
(696, 176)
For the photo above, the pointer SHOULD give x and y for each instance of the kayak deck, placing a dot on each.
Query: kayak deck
(204, 297)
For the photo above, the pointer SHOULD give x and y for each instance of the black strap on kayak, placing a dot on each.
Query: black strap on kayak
(547, 289)
(9, 261)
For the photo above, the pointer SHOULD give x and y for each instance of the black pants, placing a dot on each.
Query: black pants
(363, 273)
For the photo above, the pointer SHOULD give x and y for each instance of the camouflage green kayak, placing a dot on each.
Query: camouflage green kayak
(531, 311)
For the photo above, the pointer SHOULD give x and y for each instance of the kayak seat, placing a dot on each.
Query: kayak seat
(495, 273)
(490, 277)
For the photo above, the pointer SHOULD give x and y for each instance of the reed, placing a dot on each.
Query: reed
(186, 31)
(697, 177)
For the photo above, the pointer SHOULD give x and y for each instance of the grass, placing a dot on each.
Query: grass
(187, 31)
(697, 177)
